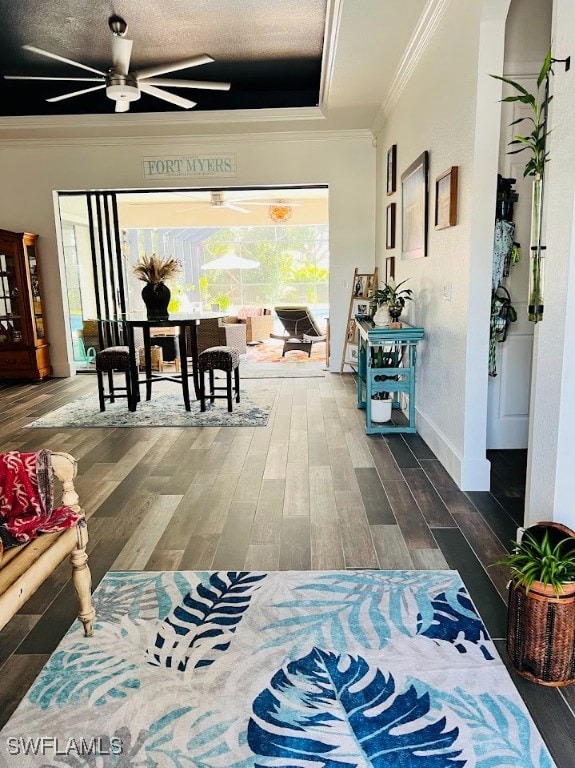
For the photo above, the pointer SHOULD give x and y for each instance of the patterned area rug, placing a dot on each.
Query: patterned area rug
(352, 669)
(270, 351)
(299, 370)
(163, 410)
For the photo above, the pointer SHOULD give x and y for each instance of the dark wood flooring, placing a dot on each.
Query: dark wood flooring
(308, 491)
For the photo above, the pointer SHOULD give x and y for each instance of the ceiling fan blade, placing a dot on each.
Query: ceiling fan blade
(205, 84)
(162, 69)
(122, 105)
(270, 202)
(235, 208)
(166, 96)
(121, 52)
(76, 93)
(73, 79)
(55, 56)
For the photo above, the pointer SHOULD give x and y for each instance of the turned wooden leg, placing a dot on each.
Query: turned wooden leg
(82, 581)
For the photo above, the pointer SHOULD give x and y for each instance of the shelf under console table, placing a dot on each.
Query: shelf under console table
(386, 363)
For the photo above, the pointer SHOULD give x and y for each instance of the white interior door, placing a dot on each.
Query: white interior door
(509, 391)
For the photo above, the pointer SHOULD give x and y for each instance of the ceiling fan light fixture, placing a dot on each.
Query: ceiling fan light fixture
(118, 89)
(280, 212)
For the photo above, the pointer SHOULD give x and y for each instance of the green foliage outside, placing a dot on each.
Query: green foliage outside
(293, 266)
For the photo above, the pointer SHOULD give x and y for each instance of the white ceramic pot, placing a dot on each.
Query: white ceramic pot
(381, 316)
(381, 410)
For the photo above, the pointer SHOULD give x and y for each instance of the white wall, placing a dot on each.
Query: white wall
(438, 112)
(526, 38)
(344, 160)
(550, 475)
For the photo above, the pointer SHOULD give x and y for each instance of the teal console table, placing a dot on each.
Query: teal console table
(386, 363)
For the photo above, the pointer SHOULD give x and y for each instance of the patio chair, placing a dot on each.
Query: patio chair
(215, 332)
(301, 329)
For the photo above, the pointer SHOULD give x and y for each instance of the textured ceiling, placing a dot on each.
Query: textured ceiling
(269, 51)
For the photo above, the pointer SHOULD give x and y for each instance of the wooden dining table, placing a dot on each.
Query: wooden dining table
(184, 324)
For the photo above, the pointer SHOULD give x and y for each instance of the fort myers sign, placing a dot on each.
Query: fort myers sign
(182, 166)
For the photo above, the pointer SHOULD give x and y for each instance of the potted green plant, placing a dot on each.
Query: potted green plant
(541, 618)
(154, 271)
(534, 142)
(389, 301)
(382, 401)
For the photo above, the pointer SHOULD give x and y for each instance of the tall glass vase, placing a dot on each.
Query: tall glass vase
(536, 258)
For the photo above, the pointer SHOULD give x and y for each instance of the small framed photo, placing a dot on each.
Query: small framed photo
(360, 286)
(446, 198)
(351, 332)
(362, 309)
(390, 226)
(390, 269)
(369, 287)
(352, 354)
(392, 169)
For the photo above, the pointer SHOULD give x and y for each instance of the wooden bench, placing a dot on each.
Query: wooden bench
(23, 569)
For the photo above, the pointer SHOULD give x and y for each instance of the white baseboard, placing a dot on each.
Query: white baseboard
(62, 369)
(469, 475)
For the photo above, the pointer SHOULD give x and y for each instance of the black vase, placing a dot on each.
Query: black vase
(156, 297)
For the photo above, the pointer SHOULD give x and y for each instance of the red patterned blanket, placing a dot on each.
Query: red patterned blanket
(26, 497)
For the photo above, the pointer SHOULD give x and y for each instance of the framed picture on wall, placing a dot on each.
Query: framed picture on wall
(390, 269)
(446, 198)
(390, 226)
(392, 169)
(414, 208)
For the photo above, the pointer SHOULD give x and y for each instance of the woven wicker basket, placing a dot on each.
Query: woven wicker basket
(541, 625)
(157, 358)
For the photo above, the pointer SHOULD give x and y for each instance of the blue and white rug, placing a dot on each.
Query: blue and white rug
(163, 410)
(352, 669)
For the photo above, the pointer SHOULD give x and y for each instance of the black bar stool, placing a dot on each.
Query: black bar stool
(219, 359)
(110, 360)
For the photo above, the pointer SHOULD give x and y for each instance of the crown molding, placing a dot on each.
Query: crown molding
(207, 140)
(420, 39)
(330, 40)
(153, 119)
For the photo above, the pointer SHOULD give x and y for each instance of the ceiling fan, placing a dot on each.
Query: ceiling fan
(123, 86)
(218, 200)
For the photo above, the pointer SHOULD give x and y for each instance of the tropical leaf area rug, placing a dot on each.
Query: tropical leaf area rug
(351, 669)
(163, 410)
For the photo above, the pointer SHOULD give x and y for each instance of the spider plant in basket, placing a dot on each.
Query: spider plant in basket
(154, 271)
(541, 619)
(535, 560)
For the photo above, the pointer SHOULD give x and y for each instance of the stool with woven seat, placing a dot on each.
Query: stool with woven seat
(219, 359)
(111, 360)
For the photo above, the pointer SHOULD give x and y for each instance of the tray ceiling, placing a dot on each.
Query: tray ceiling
(270, 52)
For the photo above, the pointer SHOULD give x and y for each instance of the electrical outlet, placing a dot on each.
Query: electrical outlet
(447, 291)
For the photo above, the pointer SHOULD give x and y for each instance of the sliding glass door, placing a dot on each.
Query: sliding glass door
(95, 273)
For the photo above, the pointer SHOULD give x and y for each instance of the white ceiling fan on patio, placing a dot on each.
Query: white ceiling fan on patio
(123, 86)
(219, 200)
